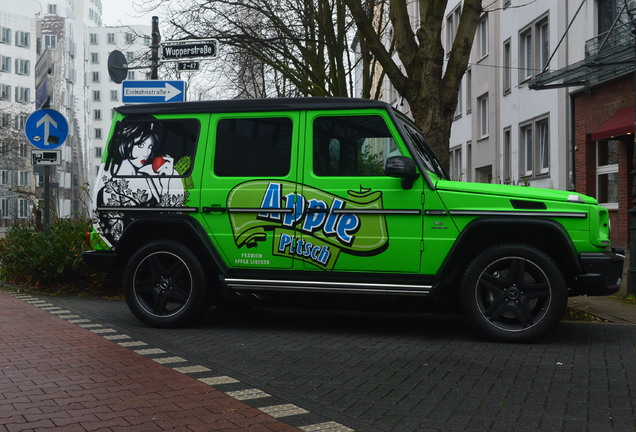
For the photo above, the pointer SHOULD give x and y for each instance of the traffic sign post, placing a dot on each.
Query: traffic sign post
(46, 129)
(189, 49)
(153, 91)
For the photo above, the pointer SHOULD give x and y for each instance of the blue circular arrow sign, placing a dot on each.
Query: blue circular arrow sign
(46, 129)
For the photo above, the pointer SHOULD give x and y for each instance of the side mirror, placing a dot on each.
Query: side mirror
(402, 167)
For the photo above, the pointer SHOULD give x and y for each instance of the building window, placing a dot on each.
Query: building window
(483, 36)
(22, 67)
(5, 92)
(456, 163)
(458, 108)
(5, 177)
(4, 208)
(98, 133)
(607, 172)
(23, 39)
(98, 152)
(114, 95)
(534, 48)
(5, 64)
(97, 114)
(506, 68)
(95, 77)
(50, 41)
(96, 95)
(5, 119)
(469, 90)
(452, 22)
(535, 147)
(22, 150)
(94, 57)
(23, 208)
(51, 9)
(23, 94)
(129, 38)
(22, 119)
(92, 38)
(111, 38)
(507, 157)
(23, 178)
(131, 75)
(5, 35)
(482, 106)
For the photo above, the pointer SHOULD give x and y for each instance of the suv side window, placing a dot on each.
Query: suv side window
(253, 147)
(352, 146)
(151, 147)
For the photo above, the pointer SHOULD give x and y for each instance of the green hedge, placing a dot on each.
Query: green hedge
(49, 261)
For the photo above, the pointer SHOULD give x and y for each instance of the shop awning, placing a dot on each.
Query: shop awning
(621, 123)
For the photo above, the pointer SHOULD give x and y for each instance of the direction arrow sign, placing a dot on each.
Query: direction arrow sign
(153, 91)
(46, 129)
(189, 49)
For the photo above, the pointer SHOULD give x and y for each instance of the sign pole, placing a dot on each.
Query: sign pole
(154, 49)
(46, 220)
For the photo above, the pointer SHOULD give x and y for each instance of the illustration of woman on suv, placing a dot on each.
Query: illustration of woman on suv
(135, 175)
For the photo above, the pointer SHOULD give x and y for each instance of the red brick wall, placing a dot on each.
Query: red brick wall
(590, 110)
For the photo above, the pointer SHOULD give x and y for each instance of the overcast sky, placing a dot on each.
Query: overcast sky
(122, 12)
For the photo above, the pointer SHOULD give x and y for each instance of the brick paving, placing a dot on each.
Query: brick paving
(56, 376)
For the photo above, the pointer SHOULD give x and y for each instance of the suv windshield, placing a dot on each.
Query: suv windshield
(420, 146)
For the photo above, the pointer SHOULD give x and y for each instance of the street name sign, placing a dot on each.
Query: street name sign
(153, 91)
(189, 49)
(46, 129)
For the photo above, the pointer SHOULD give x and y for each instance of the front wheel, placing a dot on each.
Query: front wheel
(514, 293)
(164, 285)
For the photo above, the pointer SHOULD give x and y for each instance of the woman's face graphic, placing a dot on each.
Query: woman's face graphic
(140, 152)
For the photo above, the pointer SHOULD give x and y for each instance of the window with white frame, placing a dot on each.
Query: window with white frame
(92, 38)
(5, 119)
(5, 35)
(23, 94)
(535, 147)
(507, 65)
(96, 95)
(22, 67)
(50, 41)
(456, 163)
(98, 152)
(94, 57)
(51, 9)
(21, 120)
(469, 90)
(97, 114)
(452, 23)
(482, 108)
(5, 92)
(98, 133)
(129, 37)
(95, 77)
(5, 177)
(4, 208)
(534, 48)
(23, 39)
(5, 63)
(483, 36)
(23, 178)
(607, 172)
(114, 95)
(23, 150)
(23, 208)
(507, 156)
(110, 38)
(458, 108)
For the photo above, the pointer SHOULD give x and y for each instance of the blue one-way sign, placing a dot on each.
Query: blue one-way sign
(46, 129)
(153, 91)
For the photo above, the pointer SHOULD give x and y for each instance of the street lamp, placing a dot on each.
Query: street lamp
(630, 5)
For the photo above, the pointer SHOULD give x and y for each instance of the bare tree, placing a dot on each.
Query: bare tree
(423, 78)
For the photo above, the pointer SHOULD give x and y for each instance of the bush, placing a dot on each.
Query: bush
(49, 261)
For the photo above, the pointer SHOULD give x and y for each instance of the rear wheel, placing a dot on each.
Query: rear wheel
(514, 293)
(164, 285)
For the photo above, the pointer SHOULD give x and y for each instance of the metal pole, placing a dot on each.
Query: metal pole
(154, 49)
(47, 199)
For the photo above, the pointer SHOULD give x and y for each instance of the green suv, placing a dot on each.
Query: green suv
(199, 203)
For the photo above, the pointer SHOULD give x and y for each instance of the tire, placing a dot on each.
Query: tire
(165, 285)
(514, 293)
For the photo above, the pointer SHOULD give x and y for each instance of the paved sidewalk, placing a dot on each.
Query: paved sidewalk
(57, 376)
(611, 309)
